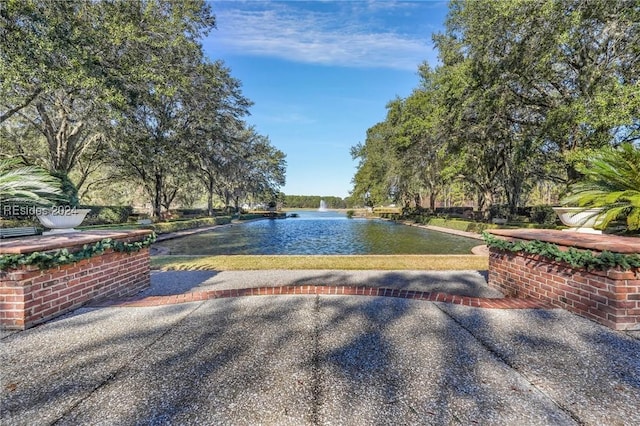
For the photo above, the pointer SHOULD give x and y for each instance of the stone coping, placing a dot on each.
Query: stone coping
(43, 243)
(598, 242)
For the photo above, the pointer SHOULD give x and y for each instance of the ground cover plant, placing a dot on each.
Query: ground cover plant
(574, 257)
(47, 260)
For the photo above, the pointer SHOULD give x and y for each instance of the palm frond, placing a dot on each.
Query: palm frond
(611, 182)
(26, 184)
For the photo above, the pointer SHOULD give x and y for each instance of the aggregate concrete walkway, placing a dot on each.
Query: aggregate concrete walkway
(318, 359)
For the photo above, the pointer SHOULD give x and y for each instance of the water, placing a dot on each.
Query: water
(315, 232)
(323, 206)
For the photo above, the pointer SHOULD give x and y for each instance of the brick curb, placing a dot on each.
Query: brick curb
(479, 302)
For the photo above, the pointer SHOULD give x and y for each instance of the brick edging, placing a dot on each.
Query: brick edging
(479, 302)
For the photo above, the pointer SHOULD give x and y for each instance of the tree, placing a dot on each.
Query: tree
(256, 168)
(46, 46)
(420, 143)
(105, 48)
(149, 146)
(217, 106)
(374, 178)
(562, 72)
(265, 167)
(69, 68)
(49, 75)
(521, 86)
(483, 118)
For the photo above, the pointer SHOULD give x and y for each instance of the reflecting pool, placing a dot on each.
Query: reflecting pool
(315, 232)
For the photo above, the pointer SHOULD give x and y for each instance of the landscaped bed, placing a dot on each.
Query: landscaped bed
(595, 276)
(44, 277)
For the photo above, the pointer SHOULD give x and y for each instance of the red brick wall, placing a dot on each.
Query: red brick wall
(611, 298)
(29, 296)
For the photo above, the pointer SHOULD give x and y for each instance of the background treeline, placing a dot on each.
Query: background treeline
(117, 99)
(525, 92)
(313, 202)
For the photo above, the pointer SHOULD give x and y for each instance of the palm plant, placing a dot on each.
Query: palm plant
(612, 182)
(23, 184)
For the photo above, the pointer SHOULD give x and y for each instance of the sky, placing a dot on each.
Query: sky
(320, 73)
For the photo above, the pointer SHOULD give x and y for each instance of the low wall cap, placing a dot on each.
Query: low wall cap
(604, 242)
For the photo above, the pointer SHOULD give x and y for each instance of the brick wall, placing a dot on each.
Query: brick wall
(611, 298)
(29, 296)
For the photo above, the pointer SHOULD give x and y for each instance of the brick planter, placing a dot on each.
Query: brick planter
(610, 297)
(29, 296)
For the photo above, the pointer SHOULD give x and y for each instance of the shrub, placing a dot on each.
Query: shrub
(191, 212)
(107, 215)
(450, 211)
(251, 216)
(164, 227)
(498, 211)
(543, 214)
(389, 215)
(461, 225)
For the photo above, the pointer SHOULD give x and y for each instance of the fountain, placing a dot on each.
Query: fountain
(323, 206)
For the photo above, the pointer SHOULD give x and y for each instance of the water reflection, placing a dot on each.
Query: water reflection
(315, 232)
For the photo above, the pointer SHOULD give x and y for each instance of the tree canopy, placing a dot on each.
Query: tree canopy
(521, 89)
(121, 91)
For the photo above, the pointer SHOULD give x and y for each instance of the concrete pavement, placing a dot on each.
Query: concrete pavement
(318, 359)
(463, 283)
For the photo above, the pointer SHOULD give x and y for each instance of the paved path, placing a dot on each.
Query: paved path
(467, 288)
(318, 359)
(464, 283)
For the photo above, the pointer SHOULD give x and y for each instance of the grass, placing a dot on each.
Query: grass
(353, 262)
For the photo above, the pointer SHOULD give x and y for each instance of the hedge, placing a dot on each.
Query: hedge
(460, 225)
(262, 215)
(104, 215)
(165, 227)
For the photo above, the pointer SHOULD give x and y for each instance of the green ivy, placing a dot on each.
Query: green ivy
(574, 257)
(46, 260)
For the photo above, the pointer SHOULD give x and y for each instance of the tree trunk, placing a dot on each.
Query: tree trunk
(157, 196)
(513, 199)
(487, 201)
(432, 200)
(227, 198)
(168, 197)
(210, 197)
(417, 200)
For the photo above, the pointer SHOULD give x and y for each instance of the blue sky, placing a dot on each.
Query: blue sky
(320, 73)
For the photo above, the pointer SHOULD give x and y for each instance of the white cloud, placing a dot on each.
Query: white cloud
(347, 38)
